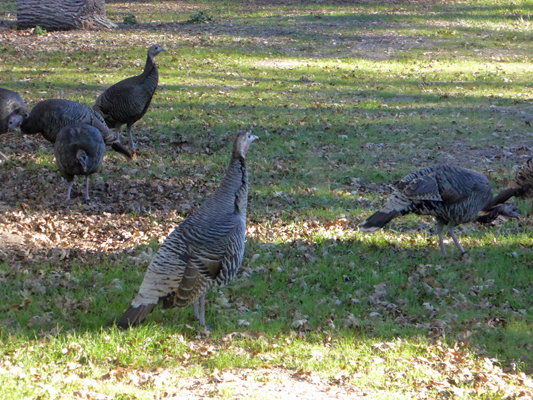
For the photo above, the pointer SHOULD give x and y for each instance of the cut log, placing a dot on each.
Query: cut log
(62, 15)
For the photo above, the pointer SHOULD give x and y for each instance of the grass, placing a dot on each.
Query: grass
(346, 99)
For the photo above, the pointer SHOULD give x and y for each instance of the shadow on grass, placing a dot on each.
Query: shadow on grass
(391, 288)
(369, 34)
(321, 87)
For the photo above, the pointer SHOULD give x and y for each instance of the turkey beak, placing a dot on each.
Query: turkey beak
(81, 163)
(252, 138)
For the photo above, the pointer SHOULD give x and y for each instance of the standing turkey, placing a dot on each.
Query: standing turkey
(454, 195)
(79, 150)
(205, 249)
(521, 186)
(127, 101)
(12, 112)
(48, 117)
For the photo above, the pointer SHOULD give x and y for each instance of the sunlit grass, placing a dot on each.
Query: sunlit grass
(346, 99)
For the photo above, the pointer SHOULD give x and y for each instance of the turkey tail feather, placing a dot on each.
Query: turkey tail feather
(378, 220)
(133, 316)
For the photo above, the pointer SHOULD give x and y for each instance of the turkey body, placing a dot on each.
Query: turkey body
(48, 117)
(127, 101)
(12, 112)
(205, 249)
(79, 150)
(453, 195)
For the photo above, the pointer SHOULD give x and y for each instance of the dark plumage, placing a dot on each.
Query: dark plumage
(12, 112)
(505, 210)
(205, 249)
(79, 150)
(127, 101)
(48, 117)
(521, 186)
(452, 194)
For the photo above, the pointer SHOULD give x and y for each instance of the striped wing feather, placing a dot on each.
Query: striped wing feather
(192, 258)
(206, 249)
(451, 193)
(521, 186)
(423, 188)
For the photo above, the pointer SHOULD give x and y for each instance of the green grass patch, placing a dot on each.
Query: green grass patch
(346, 99)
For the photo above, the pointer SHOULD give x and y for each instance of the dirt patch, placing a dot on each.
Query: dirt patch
(321, 38)
(269, 384)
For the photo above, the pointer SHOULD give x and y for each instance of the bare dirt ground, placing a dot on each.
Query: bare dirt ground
(271, 384)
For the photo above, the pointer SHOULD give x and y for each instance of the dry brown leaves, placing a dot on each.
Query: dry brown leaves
(79, 231)
(273, 381)
(454, 370)
(126, 210)
(445, 371)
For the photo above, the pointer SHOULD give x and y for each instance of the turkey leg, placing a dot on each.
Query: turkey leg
(198, 307)
(456, 241)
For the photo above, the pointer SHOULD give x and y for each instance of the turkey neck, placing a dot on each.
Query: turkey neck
(488, 218)
(150, 70)
(233, 191)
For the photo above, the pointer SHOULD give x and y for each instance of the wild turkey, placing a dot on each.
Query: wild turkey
(521, 186)
(128, 100)
(454, 195)
(206, 249)
(79, 150)
(12, 112)
(48, 117)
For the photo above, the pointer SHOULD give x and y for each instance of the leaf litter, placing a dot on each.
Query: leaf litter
(38, 227)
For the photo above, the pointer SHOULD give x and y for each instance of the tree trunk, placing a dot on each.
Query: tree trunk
(62, 14)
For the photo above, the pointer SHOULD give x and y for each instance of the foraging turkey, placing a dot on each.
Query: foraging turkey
(79, 150)
(454, 195)
(12, 112)
(521, 186)
(127, 101)
(48, 117)
(205, 249)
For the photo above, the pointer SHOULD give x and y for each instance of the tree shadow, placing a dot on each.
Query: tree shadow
(386, 288)
(364, 34)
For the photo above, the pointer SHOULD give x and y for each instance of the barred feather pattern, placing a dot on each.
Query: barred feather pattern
(192, 286)
(453, 194)
(211, 241)
(521, 186)
(524, 180)
(11, 106)
(206, 249)
(127, 101)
